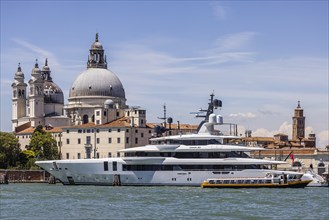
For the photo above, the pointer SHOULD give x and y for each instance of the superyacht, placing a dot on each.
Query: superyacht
(179, 160)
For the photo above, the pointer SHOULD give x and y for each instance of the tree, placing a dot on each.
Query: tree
(43, 144)
(9, 150)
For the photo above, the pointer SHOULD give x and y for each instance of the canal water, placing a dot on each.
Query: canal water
(44, 201)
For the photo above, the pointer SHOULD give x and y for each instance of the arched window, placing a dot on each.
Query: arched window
(85, 119)
(19, 93)
(93, 118)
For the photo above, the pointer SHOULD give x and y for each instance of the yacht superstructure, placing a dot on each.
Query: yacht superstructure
(180, 160)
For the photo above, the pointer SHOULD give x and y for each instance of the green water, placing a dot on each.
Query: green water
(44, 201)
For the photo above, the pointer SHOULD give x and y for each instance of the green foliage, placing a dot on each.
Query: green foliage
(9, 150)
(43, 145)
(26, 160)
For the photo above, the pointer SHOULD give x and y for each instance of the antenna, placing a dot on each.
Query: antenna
(213, 104)
(164, 115)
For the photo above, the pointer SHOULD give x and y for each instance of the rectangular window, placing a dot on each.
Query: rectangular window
(67, 131)
(127, 140)
(97, 140)
(119, 130)
(136, 140)
(109, 154)
(142, 135)
(118, 154)
(136, 131)
(110, 130)
(106, 166)
(79, 141)
(118, 114)
(97, 155)
(97, 122)
(67, 156)
(88, 130)
(110, 140)
(97, 113)
(79, 156)
(118, 140)
(104, 113)
(114, 166)
(79, 131)
(67, 141)
(88, 140)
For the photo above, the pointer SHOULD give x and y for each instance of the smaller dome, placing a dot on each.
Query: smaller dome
(109, 104)
(19, 73)
(45, 68)
(96, 46)
(52, 93)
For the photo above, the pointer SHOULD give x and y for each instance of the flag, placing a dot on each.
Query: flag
(292, 158)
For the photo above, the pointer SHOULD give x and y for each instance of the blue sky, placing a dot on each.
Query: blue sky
(259, 57)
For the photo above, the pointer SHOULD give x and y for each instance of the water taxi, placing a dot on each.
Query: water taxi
(269, 181)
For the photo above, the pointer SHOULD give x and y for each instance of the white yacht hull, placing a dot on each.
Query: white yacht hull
(91, 172)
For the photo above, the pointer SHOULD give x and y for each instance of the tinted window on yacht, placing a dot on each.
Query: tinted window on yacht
(114, 166)
(158, 167)
(191, 154)
(106, 166)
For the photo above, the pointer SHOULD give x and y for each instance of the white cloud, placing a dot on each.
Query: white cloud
(236, 41)
(323, 138)
(243, 115)
(219, 11)
(40, 52)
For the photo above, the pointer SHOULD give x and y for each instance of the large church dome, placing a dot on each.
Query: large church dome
(97, 82)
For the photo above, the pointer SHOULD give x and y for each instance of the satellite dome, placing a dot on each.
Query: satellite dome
(52, 93)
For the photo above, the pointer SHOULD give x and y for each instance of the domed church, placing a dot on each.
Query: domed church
(44, 103)
(96, 97)
(96, 92)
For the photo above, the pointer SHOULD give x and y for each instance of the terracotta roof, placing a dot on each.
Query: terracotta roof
(121, 122)
(87, 125)
(30, 130)
(271, 139)
(280, 134)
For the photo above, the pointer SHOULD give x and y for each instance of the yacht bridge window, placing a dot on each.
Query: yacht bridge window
(187, 142)
(190, 154)
(183, 167)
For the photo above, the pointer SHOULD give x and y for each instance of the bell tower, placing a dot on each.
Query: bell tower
(18, 98)
(36, 97)
(298, 123)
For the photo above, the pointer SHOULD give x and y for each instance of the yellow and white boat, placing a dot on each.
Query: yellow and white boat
(269, 181)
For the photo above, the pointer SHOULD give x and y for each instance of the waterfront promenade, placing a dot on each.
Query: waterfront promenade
(24, 176)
